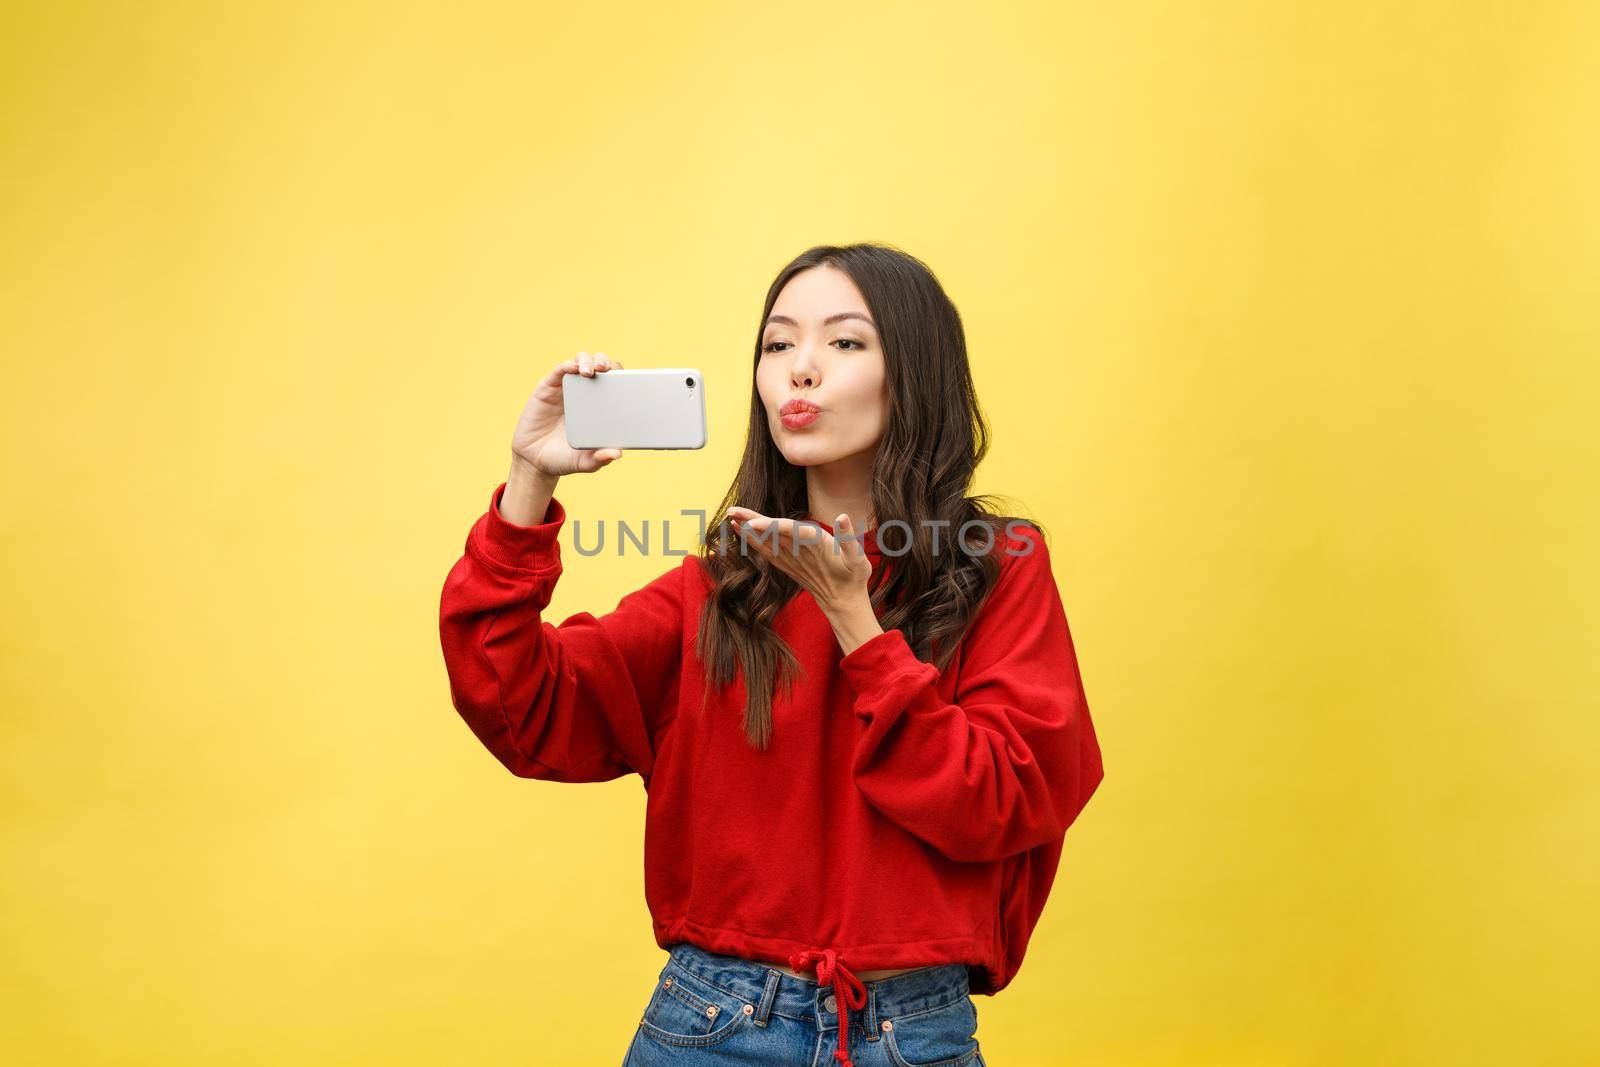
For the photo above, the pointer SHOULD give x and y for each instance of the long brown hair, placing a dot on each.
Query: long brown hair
(933, 440)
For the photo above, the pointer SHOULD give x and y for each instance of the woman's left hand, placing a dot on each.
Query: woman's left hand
(834, 570)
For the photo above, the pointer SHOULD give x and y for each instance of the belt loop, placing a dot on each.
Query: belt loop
(768, 995)
(872, 1011)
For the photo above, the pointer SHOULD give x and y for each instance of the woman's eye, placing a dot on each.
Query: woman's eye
(772, 346)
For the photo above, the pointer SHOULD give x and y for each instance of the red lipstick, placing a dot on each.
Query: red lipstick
(798, 412)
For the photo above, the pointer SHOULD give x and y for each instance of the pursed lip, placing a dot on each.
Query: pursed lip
(797, 413)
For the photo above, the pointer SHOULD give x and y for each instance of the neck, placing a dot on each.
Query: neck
(841, 487)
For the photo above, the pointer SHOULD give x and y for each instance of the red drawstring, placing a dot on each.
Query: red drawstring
(847, 991)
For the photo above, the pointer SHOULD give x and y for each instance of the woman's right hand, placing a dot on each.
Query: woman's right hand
(539, 443)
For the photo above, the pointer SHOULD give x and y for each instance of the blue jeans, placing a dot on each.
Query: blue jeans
(710, 1009)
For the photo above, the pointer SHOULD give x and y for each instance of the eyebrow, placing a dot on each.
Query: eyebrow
(829, 321)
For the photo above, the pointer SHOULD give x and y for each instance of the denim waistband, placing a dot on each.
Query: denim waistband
(802, 998)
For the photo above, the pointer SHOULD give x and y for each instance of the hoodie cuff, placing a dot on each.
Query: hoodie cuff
(886, 674)
(502, 543)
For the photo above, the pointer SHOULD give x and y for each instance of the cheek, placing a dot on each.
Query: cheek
(868, 408)
(874, 402)
(768, 386)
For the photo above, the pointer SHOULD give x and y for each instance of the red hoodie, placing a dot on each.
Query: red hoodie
(902, 817)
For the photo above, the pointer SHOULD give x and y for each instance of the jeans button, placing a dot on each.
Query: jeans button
(832, 1002)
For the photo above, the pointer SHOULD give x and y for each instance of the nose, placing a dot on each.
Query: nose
(803, 372)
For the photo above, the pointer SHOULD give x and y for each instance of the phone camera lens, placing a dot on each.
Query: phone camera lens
(689, 382)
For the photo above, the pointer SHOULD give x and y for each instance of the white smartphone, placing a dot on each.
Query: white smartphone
(655, 407)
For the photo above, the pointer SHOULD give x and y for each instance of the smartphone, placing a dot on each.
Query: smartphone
(656, 407)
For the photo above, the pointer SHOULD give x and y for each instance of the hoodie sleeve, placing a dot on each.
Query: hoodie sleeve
(1011, 761)
(582, 701)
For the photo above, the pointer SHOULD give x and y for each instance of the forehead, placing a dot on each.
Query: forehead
(817, 294)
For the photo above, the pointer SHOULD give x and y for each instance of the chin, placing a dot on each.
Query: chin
(808, 453)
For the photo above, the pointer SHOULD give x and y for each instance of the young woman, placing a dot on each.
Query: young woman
(861, 755)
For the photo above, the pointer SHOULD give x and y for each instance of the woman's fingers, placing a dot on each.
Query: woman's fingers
(751, 527)
(583, 363)
(791, 536)
(778, 535)
(559, 371)
(600, 457)
(589, 364)
(852, 543)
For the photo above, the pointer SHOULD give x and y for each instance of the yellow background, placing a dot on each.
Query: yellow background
(1286, 321)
